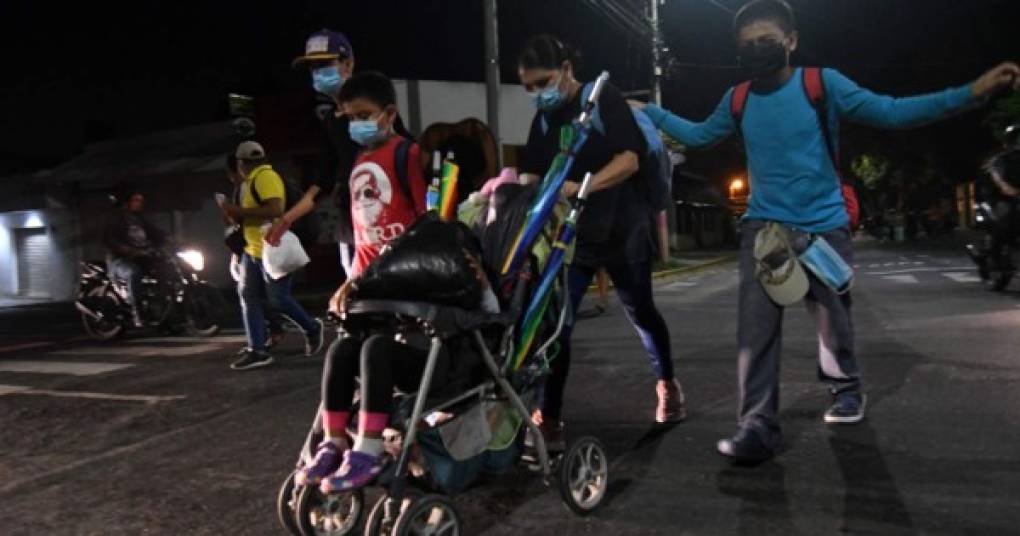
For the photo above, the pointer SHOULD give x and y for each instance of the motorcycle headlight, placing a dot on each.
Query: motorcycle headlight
(193, 258)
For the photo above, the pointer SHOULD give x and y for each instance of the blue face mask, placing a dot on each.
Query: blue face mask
(327, 80)
(364, 132)
(828, 266)
(550, 98)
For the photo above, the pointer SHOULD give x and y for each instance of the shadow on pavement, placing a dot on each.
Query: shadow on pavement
(871, 496)
(764, 506)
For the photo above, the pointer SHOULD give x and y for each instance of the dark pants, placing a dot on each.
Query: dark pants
(760, 334)
(633, 283)
(131, 273)
(383, 363)
(257, 288)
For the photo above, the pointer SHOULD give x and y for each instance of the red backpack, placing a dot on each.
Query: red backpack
(814, 88)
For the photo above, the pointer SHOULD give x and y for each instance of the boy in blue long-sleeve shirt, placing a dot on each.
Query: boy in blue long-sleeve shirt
(795, 182)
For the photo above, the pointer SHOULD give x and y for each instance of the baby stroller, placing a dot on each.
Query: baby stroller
(515, 346)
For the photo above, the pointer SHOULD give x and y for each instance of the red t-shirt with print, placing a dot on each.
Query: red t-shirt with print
(380, 211)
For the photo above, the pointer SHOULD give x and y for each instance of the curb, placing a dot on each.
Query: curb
(662, 274)
(694, 268)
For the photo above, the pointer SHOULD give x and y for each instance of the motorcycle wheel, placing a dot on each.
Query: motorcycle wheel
(200, 315)
(998, 280)
(101, 330)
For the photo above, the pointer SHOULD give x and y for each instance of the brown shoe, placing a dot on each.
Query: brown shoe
(672, 403)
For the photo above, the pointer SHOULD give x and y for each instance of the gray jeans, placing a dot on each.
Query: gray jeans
(759, 336)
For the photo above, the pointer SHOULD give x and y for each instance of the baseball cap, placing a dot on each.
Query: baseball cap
(325, 45)
(778, 269)
(250, 150)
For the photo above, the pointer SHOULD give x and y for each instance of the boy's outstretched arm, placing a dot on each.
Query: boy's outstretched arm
(858, 104)
(716, 128)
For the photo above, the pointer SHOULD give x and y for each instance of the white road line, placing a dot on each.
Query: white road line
(681, 284)
(140, 351)
(8, 389)
(61, 367)
(231, 339)
(149, 399)
(889, 264)
(962, 277)
(923, 269)
(901, 278)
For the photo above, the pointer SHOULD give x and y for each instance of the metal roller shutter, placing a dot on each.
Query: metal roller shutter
(33, 250)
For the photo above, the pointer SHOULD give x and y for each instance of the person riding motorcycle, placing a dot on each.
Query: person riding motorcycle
(131, 242)
(1004, 170)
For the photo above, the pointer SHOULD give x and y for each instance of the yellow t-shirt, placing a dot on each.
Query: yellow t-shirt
(269, 185)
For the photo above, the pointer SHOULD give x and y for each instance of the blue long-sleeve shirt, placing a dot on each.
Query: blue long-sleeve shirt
(793, 179)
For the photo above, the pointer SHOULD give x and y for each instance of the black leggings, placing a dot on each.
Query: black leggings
(383, 363)
(633, 283)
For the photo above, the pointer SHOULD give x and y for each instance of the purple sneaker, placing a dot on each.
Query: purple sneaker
(358, 470)
(326, 461)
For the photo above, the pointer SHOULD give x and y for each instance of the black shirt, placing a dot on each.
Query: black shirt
(616, 223)
(336, 160)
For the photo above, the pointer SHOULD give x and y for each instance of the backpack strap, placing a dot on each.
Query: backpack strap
(814, 89)
(254, 191)
(401, 163)
(738, 103)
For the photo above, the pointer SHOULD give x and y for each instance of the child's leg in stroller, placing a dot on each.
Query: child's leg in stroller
(338, 374)
(384, 364)
(578, 280)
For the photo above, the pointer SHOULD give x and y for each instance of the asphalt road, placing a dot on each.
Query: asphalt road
(157, 436)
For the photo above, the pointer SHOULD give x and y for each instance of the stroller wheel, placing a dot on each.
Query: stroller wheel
(374, 521)
(432, 514)
(285, 501)
(335, 514)
(584, 475)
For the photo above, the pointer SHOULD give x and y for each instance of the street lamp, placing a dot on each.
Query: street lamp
(738, 188)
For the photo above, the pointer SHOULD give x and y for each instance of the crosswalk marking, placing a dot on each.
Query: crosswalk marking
(102, 396)
(903, 278)
(229, 339)
(962, 277)
(22, 390)
(140, 351)
(8, 389)
(61, 367)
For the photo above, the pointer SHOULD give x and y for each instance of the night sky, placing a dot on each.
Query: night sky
(74, 75)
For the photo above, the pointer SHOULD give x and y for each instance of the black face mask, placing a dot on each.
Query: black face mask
(763, 59)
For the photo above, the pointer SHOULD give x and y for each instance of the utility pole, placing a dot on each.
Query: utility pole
(666, 219)
(491, 24)
(656, 52)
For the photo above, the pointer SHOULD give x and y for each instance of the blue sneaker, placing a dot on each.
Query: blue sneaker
(847, 408)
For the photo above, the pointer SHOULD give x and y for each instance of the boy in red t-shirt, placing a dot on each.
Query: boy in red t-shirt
(381, 211)
(380, 208)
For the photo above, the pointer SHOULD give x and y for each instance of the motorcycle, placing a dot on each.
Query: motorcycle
(173, 296)
(997, 256)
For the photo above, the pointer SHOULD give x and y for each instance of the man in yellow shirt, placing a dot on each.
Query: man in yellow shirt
(263, 198)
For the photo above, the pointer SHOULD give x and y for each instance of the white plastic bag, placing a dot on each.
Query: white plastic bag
(284, 259)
